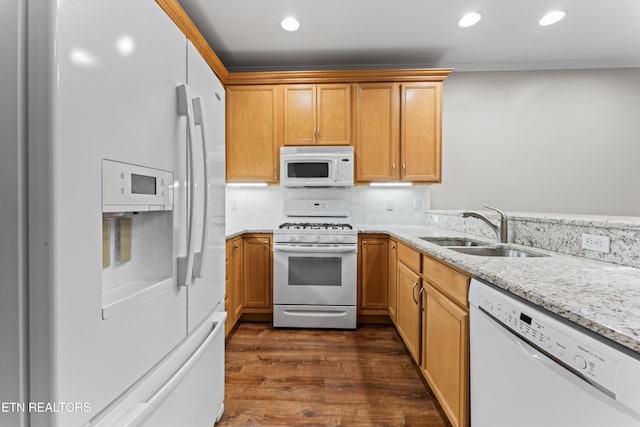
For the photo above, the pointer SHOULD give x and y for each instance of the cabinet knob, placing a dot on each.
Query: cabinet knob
(266, 242)
(364, 242)
(236, 246)
(393, 246)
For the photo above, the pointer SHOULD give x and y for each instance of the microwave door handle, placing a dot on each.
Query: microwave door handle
(185, 264)
(200, 259)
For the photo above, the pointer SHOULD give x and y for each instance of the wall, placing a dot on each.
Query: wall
(263, 207)
(542, 141)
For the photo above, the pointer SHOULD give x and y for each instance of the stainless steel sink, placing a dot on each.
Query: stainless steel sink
(496, 252)
(442, 241)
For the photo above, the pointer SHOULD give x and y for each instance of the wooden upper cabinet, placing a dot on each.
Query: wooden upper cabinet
(300, 114)
(317, 114)
(253, 125)
(377, 127)
(420, 131)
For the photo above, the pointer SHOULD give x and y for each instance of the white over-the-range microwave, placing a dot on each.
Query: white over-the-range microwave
(316, 166)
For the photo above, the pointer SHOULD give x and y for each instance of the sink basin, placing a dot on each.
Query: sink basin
(442, 241)
(497, 252)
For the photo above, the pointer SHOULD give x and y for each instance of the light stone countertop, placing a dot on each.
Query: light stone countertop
(601, 297)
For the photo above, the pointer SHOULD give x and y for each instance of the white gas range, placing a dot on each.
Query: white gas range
(315, 263)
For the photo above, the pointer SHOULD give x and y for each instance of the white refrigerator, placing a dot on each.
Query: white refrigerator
(111, 220)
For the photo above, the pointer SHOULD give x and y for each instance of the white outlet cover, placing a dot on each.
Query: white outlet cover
(594, 242)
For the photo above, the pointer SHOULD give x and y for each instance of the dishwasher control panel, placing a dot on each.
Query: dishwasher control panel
(574, 352)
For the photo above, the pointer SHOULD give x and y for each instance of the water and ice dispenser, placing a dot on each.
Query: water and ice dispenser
(137, 235)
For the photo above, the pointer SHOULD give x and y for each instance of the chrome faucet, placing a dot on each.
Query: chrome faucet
(500, 229)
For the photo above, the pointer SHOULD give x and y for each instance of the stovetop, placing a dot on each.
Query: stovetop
(314, 226)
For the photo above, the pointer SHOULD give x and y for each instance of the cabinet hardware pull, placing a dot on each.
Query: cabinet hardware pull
(266, 242)
(275, 168)
(413, 293)
(404, 169)
(364, 242)
(318, 135)
(393, 247)
(236, 246)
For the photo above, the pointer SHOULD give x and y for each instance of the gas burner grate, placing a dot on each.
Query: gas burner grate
(313, 226)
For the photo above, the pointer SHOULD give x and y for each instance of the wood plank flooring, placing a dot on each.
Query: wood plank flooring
(287, 377)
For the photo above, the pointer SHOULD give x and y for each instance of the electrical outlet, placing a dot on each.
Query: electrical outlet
(417, 204)
(597, 243)
(389, 204)
(234, 205)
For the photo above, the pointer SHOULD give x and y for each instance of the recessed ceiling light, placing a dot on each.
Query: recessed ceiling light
(290, 24)
(552, 17)
(469, 19)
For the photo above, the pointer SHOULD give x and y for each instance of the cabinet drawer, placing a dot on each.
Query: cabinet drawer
(452, 283)
(409, 257)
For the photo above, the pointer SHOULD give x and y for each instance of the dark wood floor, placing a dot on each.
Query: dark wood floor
(278, 377)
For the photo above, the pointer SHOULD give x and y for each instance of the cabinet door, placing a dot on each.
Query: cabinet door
(334, 114)
(420, 131)
(252, 133)
(377, 128)
(408, 315)
(374, 271)
(446, 355)
(237, 278)
(300, 115)
(393, 280)
(228, 289)
(257, 272)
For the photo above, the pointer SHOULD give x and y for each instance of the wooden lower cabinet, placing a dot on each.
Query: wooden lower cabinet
(445, 339)
(408, 319)
(373, 273)
(257, 273)
(234, 283)
(445, 361)
(393, 280)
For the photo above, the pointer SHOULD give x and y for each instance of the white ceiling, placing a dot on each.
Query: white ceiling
(246, 34)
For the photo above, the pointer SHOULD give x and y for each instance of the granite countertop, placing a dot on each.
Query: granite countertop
(601, 297)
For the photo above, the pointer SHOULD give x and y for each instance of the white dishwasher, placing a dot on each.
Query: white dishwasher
(529, 369)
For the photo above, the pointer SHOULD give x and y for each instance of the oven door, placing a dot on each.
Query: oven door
(314, 274)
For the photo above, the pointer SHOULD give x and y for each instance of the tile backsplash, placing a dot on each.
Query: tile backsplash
(263, 207)
(556, 232)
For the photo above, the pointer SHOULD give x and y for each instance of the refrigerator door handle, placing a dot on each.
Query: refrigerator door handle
(185, 264)
(143, 410)
(201, 257)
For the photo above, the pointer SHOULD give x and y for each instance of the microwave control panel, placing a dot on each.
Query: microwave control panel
(133, 188)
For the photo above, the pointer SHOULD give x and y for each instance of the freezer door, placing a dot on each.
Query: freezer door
(208, 287)
(103, 77)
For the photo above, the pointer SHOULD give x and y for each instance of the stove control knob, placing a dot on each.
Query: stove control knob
(292, 238)
(316, 238)
(339, 239)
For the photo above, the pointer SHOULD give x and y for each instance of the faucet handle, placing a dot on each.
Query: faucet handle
(503, 215)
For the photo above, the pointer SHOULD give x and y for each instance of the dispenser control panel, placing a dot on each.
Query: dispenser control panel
(133, 188)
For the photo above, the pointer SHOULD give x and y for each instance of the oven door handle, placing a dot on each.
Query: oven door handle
(315, 249)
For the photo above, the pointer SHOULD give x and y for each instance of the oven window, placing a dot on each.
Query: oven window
(315, 271)
(308, 170)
